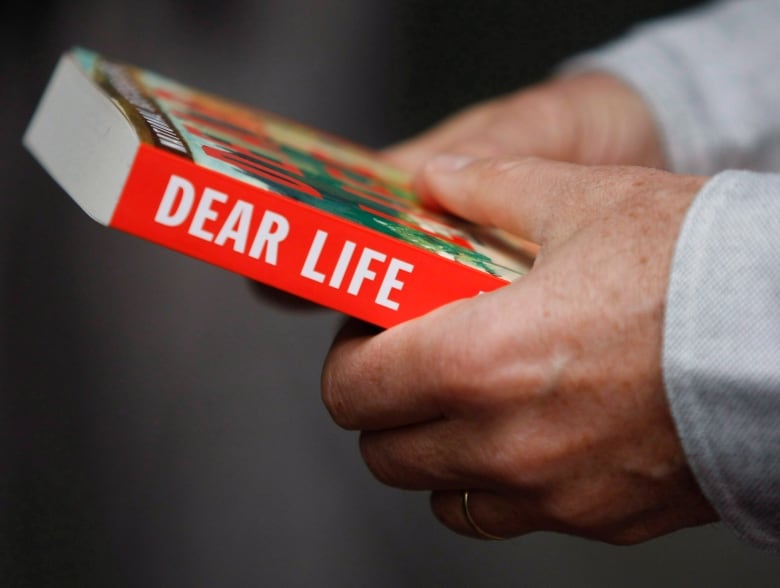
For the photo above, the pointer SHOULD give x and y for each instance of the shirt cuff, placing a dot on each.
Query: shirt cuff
(659, 74)
(721, 353)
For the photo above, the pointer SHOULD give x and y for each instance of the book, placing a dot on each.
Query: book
(258, 194)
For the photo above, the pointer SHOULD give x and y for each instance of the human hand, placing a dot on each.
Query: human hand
(543, 399)
(588, 118)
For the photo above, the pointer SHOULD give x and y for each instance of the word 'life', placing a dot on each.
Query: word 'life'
(216, 217)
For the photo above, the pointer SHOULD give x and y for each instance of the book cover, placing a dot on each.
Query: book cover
(257, 194)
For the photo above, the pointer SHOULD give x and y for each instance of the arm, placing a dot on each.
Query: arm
(726, 417)
(694, 93)
(710, 77)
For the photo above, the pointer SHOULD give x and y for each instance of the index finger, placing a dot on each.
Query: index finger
(406, 375)
(367, 383)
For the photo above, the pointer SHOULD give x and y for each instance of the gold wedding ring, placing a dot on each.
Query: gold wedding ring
(477, 529)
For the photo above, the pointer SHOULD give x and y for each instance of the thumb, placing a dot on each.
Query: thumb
(533, 198)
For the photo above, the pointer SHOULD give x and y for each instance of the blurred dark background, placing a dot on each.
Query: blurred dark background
(159, 424)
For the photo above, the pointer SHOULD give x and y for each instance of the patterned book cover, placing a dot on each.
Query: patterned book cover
(269, 198)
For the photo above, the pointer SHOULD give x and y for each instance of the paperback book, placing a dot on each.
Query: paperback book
(257, 194)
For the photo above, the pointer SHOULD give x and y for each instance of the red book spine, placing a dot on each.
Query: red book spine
(287, 244)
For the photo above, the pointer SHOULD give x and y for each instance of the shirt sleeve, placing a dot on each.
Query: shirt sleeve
(712, 79)
(711, 76)
(721, 353)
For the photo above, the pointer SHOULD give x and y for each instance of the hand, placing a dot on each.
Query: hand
(590, 118)
(545, 398)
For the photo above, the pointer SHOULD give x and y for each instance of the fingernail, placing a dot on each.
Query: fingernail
(449, 163)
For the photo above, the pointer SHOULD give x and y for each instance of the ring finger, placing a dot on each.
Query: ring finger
(485, 514)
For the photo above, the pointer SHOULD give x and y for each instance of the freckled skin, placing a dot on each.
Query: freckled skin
(545, 398)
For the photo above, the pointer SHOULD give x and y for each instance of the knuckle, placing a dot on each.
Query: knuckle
(334, 384)
(508, 168)
(507, 460)
(446, 507)
(499, 465)
(571, 510)
(549, 108)
(377, 460)
(508, 180)
(517, 468)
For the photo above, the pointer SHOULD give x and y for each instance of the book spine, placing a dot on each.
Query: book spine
(287, 244)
